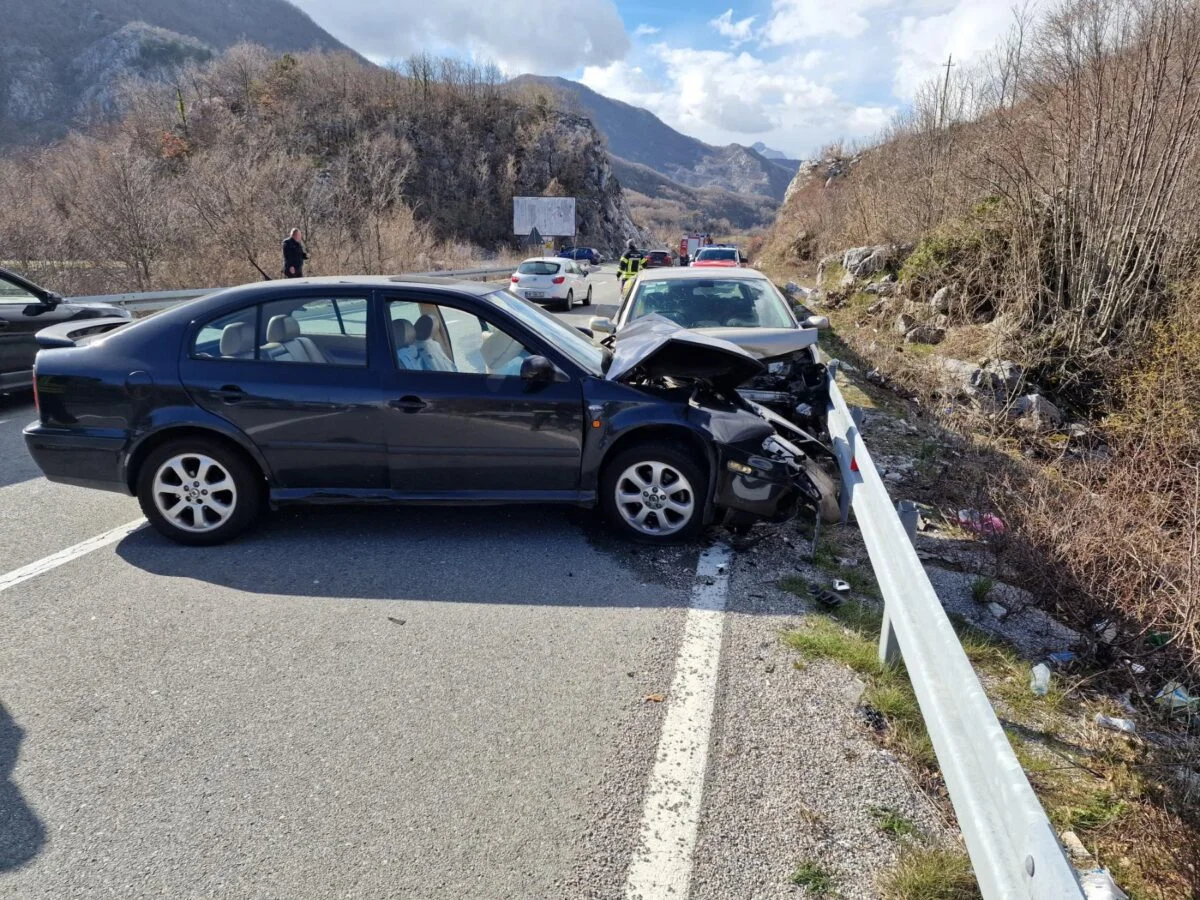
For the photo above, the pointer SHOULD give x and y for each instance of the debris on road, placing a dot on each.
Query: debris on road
(1099, 885)
(654, 698)
(1126, 725)
(1039, 680)
(983, 524)
(1175, 700)
(396, 621)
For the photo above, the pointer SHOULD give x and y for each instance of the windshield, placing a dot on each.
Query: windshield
(712, 303)
(538, 267)
(566, 339)
(717, 253)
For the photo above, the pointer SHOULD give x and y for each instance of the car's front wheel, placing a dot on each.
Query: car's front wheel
(654, 493)
(199, 491)
(588, 299)
(830, 507)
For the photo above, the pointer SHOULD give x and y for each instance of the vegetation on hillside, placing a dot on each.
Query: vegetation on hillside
(1055, 190)
(385, 171)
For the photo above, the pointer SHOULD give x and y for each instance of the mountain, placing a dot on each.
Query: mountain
(763, 150)
(62, 61)
(663, 205)
(636, 135)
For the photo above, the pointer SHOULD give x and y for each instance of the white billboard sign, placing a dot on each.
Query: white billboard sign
(551, 216)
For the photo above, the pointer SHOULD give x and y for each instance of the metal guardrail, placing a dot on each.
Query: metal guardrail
(1013, 847)
(154, 301)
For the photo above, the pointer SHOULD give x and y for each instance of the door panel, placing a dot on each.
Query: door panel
(318, 425)
(480, 428)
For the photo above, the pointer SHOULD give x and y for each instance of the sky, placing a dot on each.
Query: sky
(794, 74)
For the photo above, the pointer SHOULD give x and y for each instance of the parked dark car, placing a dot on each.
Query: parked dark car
(581, 254)
(414, 391)
(25, 309)
(657, 259)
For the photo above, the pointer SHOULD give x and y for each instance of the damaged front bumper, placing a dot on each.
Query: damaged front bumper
(765, 483)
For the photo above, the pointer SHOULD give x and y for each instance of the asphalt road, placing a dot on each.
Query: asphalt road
(347, 702)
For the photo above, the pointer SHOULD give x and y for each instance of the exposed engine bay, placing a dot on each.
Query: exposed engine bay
(765, 417)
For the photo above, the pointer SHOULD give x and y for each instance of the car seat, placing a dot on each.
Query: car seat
(237, 341)
(430, 355)
(285, 343)
(404, 335)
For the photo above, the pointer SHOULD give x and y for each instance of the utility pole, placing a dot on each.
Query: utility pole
(945, 91)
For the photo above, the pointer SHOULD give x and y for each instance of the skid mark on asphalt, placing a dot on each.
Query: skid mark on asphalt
(54, 560)
(662, 865)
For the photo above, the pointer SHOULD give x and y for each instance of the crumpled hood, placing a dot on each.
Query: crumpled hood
(765, 343)
(657, 347)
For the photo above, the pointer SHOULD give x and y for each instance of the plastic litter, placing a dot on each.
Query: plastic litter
(1175, 699)
(1061, 657)
(1098, 885)
(980, 523)
(1039, 680)
(839, 585)
(1126, 725)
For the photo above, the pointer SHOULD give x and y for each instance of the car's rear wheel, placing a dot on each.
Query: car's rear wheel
(654, 493)
(569, 303)
(830, 507)
(199, 491)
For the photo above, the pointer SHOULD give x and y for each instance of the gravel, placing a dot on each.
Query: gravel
(793, 771)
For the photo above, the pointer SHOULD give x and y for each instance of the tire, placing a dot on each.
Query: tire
(223, 514)
(673, 490)
(587, 301)
(830, 508)
(569, 303)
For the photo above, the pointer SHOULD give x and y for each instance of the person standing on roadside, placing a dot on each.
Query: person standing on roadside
(629, 265)
(294, 255)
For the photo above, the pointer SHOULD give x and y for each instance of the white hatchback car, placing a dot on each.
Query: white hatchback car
(549, 279)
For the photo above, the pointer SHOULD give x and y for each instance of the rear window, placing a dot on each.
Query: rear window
(717, 253)
(538, 267)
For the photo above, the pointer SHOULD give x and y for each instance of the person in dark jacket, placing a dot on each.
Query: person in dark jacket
(294, 255)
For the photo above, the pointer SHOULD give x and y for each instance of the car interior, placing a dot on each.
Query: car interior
(699, 305)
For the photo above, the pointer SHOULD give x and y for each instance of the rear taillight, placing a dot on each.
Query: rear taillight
(558, 279)
(37, 406)
(516, 279)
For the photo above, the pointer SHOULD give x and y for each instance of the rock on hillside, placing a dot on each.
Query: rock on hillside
(601, 210)
(817, 172)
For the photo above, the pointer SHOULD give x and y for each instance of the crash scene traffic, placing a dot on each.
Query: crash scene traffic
(421, 479)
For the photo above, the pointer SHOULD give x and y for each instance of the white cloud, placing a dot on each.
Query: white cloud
(645, 30)
(966, 29)
(521, 35)
(723, 96)
(738, 32)
(796, 21)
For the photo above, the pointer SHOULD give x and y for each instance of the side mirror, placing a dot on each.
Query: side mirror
(821, 323)
(604, 325)
(537, 368)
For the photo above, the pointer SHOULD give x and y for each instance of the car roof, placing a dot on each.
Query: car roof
(689, 274)
(553, 259)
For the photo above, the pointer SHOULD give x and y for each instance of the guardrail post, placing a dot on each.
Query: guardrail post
(909, 513)
(889, 647)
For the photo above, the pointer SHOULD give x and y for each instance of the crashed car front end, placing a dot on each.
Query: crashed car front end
(764, 462)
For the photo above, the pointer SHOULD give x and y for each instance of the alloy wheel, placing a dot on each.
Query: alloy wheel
(655, 498)
(194, 492)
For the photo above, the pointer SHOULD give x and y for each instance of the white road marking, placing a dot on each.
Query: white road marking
(662, 865)
(54, 560)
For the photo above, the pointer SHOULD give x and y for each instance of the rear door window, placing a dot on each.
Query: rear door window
(538, 267)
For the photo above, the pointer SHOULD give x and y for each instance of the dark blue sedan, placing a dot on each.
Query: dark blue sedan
(581, 254)
(408, 390)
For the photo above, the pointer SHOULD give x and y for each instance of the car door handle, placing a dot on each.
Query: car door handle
(408, 404)
(229, 393)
